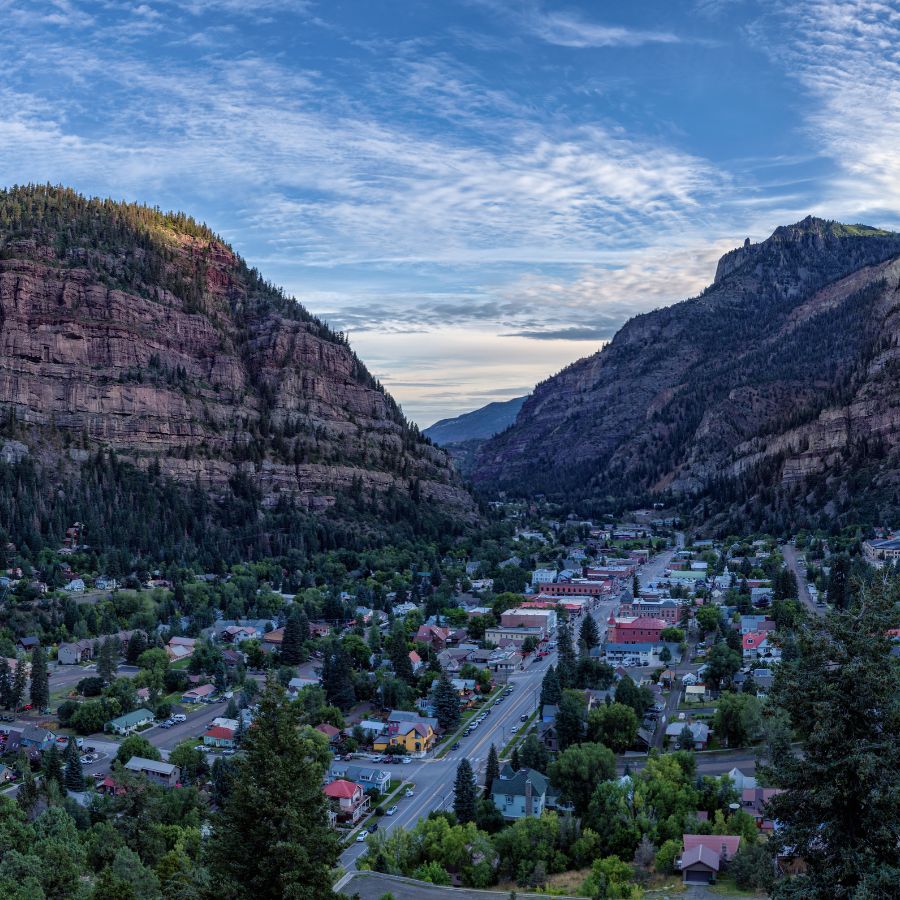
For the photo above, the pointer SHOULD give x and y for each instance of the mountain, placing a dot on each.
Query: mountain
(772, 398)
(480, 424)
(132, 332)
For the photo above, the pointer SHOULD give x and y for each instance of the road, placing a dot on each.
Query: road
(433, 778)
(789, 552)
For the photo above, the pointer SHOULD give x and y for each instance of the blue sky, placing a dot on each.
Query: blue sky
(478, 191)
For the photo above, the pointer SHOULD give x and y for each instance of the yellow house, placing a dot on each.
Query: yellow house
(416, 738)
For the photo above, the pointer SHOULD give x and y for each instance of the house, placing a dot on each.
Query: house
(75, 586)
(106, 584)
(333, 734)
(699, 731)
(76, 653)
(158, 772)
(516, 634)
(180, 648)
(32, 736)
(367, 777)
(414, 733)
(754, 644)
(519, 794)
(434, 636)
(543, 576)
(548, 735)
(754, 800)
(634, 629)
(28, 643)
(130, 721)
(695, 693)
(298, 682)
(233, 658)
(415, 661)
(218, 736)
(347, 799)
(273, 640)
(198, 694)
(705, 855)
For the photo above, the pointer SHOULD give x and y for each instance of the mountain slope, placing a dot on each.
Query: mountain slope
(125, 329)
(775, 394)
(479, 424)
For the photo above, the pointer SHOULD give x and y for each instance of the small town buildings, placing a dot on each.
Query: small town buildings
(515, 633)
(348, 800)
(130, 721)
(219, 736)
(333, 734)
(415, 734)
(543, 576)
(754, 644)
(367, 777)
(180, 648)
(704, 856)
(545, 619)
(699, 732)
(519, 794)
(634, 630)
(75, 586)
(666, 610)
(754, 800)
(28, 644)
(198, 694)
(158, 772)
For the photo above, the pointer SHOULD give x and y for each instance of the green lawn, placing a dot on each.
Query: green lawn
(725, 887)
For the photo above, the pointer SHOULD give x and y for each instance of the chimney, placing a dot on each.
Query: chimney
(529, 803)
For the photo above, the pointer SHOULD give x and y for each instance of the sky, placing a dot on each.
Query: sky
(478, 192)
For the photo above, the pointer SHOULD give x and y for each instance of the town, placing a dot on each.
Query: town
(551, 674)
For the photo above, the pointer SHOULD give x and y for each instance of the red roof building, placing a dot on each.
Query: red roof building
(634, 630)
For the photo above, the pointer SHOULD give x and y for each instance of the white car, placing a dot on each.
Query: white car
(406, 760)
(179, 717)
(390, 811)
(361, 837)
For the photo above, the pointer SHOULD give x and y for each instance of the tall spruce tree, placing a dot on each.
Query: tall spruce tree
(292, 643)
(566, 664)
(19, 682)
(465, 798)
(840, 806)
(336, 678)
(551, 691)
(271, 840)
(6, 680)
(106, 659)
(492, 771)
(446, 704)
(52, 767)
(40, 680)
(589, 635)
(73, 775)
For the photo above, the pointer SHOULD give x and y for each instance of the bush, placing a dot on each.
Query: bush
(752, 869)
(65, 712)
(90, 687)
(666, 856)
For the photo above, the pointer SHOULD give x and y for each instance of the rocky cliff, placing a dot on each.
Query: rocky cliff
(773, 397)
(125, 329)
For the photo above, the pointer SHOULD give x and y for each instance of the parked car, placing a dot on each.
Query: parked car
(373, 828)
(409, 792)
(406, 760)
(390, 811)
(179, 717)
(229, 752)
(361, 836)
(523, 717)
(455, 745)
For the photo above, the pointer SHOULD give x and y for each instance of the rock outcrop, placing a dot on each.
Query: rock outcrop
(125, 329)
(775, 394)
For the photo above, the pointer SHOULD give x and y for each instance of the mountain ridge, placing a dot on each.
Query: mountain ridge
(477, 424)
(736, 391)
(142, 333)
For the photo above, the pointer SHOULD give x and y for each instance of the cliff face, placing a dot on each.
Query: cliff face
(775, 393)
(125, 329)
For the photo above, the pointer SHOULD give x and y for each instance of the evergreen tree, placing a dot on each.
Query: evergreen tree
(839, 808)
(52, 767)
(514, 760)
(589, 636)
(292, 644)
(336, 678)
(464, 793)
(106, 659)
(137, 644)
(446, 704)
(492, 772)
(73, 776)
(271, 839)
(19, 681)
(838, 587)
(551, 692)
(5, 684)
(40, 680)
(566, 664)
(570, 719)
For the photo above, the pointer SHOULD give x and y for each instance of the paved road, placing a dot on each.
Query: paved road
(66, 677)
(789, 552)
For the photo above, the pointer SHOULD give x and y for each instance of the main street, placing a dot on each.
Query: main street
(433, 778)
(789, 552)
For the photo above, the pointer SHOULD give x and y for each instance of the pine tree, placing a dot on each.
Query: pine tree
(464, 794)
(52, 768)
(566, 665)
(27, 795)
(514, 760)
(398, 651)
(336, 678)
(137, 644)
(492, 772)
(534, 754)
(20, 680)
(446, 704)
(292, 644)
(74, 775)
(40, 680)
(5, 684)
(590, 634)
(838, 811)
(551, 691)
(271, 839)
(106, 661)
